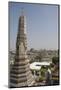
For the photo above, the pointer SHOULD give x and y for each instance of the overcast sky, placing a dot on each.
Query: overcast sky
(41, 22)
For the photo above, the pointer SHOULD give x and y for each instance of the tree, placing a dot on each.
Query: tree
(55, 60)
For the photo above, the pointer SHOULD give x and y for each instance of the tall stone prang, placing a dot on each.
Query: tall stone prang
(20, 74)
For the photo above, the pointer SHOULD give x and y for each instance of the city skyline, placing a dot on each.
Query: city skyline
(41, 22)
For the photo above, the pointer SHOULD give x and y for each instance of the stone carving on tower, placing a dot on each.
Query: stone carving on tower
(20, 74)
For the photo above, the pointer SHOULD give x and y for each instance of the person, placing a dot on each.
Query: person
(48, 76)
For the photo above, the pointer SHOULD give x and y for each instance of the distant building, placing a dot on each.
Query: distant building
(46, 59)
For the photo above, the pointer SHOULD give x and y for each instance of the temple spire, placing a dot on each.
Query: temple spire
(20, 74)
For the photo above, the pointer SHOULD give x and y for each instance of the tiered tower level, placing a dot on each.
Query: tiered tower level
(20, 74)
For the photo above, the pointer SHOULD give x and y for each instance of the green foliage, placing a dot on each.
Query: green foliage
(55, 60)
(41, 78)
(51, 65)
(43, 70)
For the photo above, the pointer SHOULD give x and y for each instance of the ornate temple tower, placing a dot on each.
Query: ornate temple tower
(20, 74)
